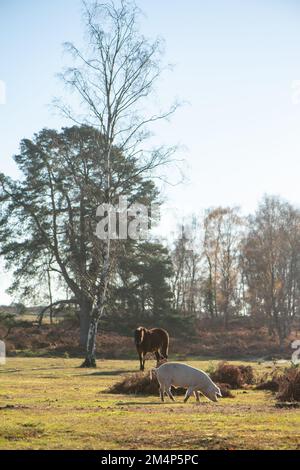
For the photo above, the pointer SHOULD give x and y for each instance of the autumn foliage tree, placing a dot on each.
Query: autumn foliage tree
(271, 264)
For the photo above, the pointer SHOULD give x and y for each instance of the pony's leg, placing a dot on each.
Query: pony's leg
(144, 360)
(141, 361)
(164, 351)
(169, 392)
(197, 395)
(161, 354)
(158, 357)
(188, 394)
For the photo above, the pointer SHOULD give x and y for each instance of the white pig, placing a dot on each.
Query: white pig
(182, 375)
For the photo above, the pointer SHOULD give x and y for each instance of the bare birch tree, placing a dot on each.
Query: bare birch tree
(271, 265)
(115, 76)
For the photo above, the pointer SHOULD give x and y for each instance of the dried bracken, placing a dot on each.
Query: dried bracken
(234, 376)
(289, 385)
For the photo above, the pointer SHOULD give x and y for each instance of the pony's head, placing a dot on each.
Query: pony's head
(139, 335)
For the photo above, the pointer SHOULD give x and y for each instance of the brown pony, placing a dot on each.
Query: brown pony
(155, 340)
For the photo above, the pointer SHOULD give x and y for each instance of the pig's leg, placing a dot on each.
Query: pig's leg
(169, 392)
(188, 394)
(162, 392)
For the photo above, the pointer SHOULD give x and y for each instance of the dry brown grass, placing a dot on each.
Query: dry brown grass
(232, 375)
(247, 374)
(289, 385)
(271, 385)
(209, 340)
(284, 381)
(138, 383)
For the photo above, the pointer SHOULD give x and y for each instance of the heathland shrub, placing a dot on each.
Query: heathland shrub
(289, 385)
(285, 382)
(234, 376)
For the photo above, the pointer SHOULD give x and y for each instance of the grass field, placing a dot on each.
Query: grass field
(52, 404)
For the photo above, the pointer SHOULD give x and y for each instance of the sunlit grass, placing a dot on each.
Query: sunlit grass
(53, 404)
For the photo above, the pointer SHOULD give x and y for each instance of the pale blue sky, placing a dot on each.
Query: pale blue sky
(235, 66)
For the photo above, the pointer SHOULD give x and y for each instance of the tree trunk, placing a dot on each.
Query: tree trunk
(90, 359)
(85, 318)
(50, 296)
(226, 312)
(226, 319)
(97, 312)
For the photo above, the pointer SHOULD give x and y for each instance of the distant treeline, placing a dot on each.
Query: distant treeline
(231, 266)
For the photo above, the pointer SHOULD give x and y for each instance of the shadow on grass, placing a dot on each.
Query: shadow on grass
(9, 371)
(139, 403)
(109, 373)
